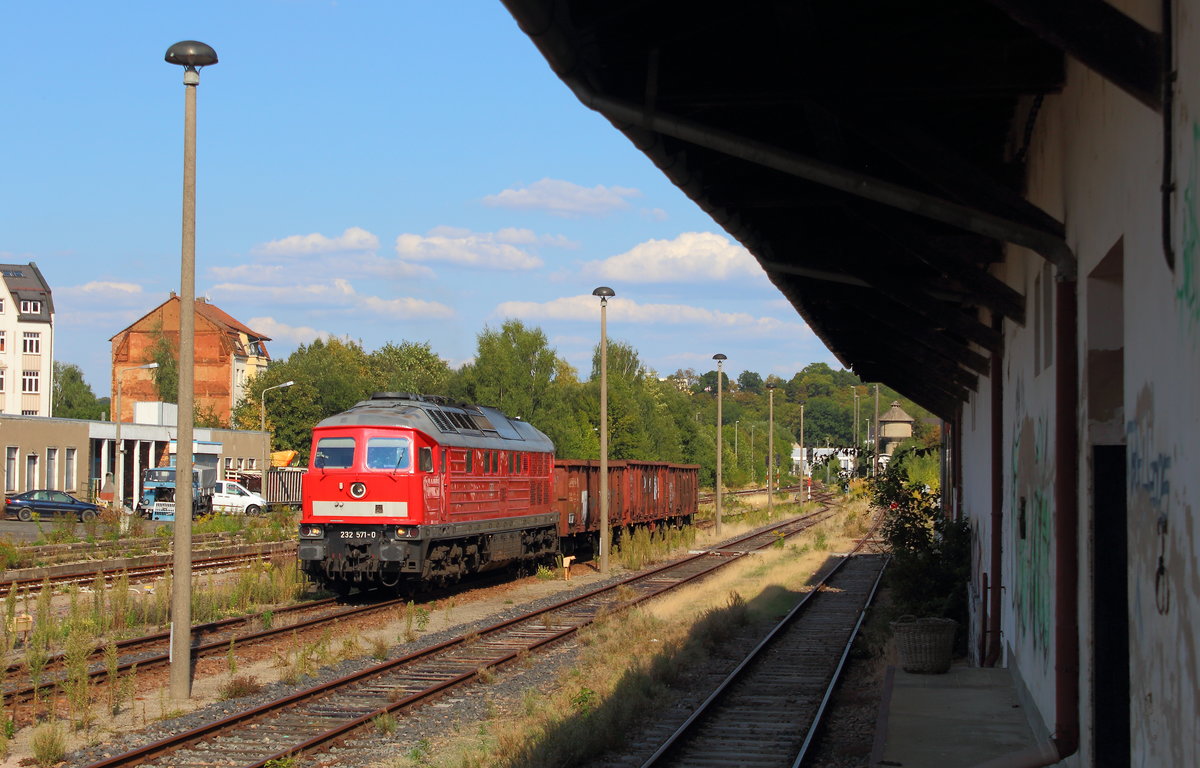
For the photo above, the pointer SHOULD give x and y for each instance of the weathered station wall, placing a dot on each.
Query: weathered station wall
(1096, 162)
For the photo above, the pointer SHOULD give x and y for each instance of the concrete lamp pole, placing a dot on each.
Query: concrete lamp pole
(604, 292)
(119, 493)
(770, 447)
(262, 418)
(805, 485)
(720, 445)
(192, 56)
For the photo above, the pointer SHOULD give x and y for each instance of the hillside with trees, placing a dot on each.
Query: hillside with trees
(651, 416)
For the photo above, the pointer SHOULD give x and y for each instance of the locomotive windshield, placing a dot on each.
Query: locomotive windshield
(389, 453)
(335, 452)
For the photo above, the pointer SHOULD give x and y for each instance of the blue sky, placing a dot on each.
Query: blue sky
(372, 170)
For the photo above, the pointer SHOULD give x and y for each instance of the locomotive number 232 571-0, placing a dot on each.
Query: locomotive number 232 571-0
(356, 534)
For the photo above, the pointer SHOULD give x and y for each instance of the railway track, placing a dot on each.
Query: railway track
(147, 571)
(766, 712)
(313, 719)
(209, 639)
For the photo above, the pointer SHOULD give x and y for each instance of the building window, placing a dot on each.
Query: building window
(29, 413)
(31, 307)
(228, 463)
(10, 469)
(31, 471)
(29, 381)
(69, 470)
(51, 468)
(2, 340)
(1, 380)
(1, 306)
(31, 344)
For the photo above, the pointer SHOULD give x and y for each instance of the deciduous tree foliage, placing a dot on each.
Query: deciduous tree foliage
(72, 397)
(516, 370)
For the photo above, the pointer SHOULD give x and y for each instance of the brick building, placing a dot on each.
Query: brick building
(228, 355)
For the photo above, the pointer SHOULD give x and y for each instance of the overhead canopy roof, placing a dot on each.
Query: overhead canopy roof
(869, 154)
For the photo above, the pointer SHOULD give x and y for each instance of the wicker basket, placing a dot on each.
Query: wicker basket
(925, 645)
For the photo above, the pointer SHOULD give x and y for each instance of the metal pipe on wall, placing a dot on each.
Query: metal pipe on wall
(995, 565)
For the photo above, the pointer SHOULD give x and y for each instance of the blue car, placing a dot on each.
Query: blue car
(47, 504)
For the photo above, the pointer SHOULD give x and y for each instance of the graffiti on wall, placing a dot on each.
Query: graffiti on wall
(1149, 473)
(1188, 292)
(1032, 508)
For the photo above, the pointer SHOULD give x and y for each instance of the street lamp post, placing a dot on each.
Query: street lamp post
(735, 438)
(119, 493)
(720, 445)
(262, 414)
(770, 446)
(854, 418)
(804, 484)
(192, 56)
(604, 292)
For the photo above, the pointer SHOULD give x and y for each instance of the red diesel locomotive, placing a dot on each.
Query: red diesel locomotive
(405, 489)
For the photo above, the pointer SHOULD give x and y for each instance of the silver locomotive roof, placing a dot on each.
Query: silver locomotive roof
(448, 421)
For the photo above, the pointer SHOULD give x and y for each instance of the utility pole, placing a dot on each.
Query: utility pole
(804, 487)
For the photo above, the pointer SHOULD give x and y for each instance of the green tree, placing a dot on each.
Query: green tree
(409, 367)
(164, 351)
(513, 370)
(72, 397)
(330, 375)
(749, 381)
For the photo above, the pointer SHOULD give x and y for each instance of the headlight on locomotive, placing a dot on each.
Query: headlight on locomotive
(405, 532)
(312, 531)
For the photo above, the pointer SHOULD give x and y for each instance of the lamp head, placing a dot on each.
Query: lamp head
(191, 54)
(604, 292)
(719, 357)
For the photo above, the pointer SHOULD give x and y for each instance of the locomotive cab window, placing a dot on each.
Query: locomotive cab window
(334, 452)
(425, 458)
(389, 453)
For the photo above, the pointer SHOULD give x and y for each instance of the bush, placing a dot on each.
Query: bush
(931, 554)
(239, 686)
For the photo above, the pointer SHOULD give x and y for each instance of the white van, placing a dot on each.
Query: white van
(230, 497)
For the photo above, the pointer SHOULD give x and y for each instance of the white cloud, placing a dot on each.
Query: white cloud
(340, 295)
(99, 289)
(484, 250)
(253, 273)
(336, 293)
(690, 257)
(406, 307)
(563, 198)
(282, 332)
(586, 308)
(261, 273)
(353, 239)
